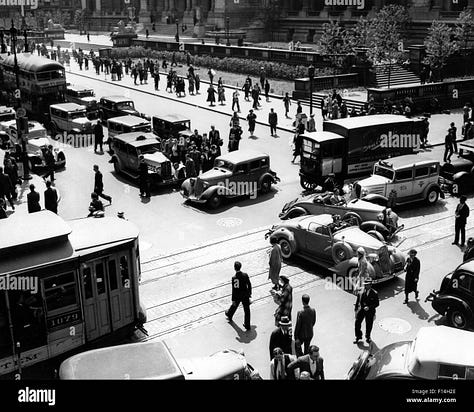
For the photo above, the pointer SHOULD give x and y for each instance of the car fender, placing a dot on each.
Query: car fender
(287, 234)
(431, 186)
(284, 215)
(375, 225)
(267, 176)
(220, 189)
(343, 267)
(445, 302)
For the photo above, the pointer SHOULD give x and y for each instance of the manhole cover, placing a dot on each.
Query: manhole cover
(395, 325)
(229, 222)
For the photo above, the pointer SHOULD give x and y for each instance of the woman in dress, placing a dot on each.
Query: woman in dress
(211, 95)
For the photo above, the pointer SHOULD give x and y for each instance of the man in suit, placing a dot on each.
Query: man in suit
(367, 301)
(273, 121)
(462, 213)
(99, 185)
(51, 198)
(281, 337)
(305, 320)
(413, 273)
(312, 363)
(33, 199)
(241, 293)
(279, 366)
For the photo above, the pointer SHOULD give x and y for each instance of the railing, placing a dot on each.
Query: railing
(340, 81)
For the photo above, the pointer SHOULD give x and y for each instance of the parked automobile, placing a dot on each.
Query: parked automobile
(455, 297)
(128, 147)
(239, 173)
(127, 124)
(370, 217)
(84, 97)
(404, 179)
(154, 360)
(7, 113)
(333, 243)
(457, 177)
(71, 118)
(171, 125)
(114, 106)
(437, 352)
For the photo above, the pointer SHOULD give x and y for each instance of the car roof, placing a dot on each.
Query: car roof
(321, 137)
(437, 345)
(406, 161)
(239, 156)
(372, 120)
(137, 139)
(173, 118)
(129, 120)
(468, 266)
(68, 107)
(79, 88)
(323, 219)
(117, 99)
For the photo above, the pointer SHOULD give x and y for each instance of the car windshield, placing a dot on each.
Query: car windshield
(179, 127)
(384, 172)
(85, 93)
(77, 115)
(125, 105)
(141, 128)
(224, 164)
(151, 148)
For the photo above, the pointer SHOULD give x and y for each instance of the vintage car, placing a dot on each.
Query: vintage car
(239, 173)
(6, 113)
(171, 125)
(71, 118)
(154, 360)
(333, 243)
(455, 297)
(128, 147)
(457, 177)
(36, 144)
(127, 124)
(84, 97)
(369, 216)
(114, 106)
(403, 179)
(437, 352)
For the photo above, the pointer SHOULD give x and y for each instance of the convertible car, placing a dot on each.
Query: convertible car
(371, 217)
(333, 243)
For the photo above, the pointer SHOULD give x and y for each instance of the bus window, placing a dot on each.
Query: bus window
(124, 271)
(87, 280)
(113, 274)
(100, 278)
(60, 291)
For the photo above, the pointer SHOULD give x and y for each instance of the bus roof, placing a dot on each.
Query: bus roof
(321, 137)
(32, 63)
(372, 120)
(149, 360)
(129, 120)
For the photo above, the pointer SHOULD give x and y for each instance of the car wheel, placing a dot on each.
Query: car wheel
(117, 167)
(432, 196)
(457, 318)
(377, 235)
(214, 202)
(266, 185)
(341, 252)
(352, 277)
(352, 217)
(305, 184)
(286, 250)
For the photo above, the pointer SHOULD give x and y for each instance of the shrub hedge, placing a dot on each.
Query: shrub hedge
(227, 64)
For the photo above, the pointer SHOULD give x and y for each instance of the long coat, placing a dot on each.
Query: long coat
(413, 272)
(275, 263)
(285, 303)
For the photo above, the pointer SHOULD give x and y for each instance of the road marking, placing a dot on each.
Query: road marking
(229, 222)
(395, 325)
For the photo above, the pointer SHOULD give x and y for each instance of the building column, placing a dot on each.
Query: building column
(83, 4)
(144, 15)
(304, 10)
(97, 5)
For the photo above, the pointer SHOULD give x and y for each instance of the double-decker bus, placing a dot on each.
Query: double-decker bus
(64, 287)
(42, 82)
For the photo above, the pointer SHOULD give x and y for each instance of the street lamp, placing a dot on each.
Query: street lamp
(311, 76)
(177, 31)
(227, 25)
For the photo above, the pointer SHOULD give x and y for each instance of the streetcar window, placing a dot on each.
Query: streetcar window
(113, 275)
(100, 278)
(124, 271)
(87, 280)
(60, 291)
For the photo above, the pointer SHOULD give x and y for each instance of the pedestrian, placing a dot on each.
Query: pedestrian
(51, 198)
(262, 77)
(362, 268)
(173, 59)
(469, 252)
(147, 33)
(281, 337)
(252, 121)
(412, 268)
(188, 59)
(448, 148)
(298, 144)
(287, 104)
(220, 82)
(311, 124)
(98, 136)
(267, 90)
(191, 85)
(466, 113)
(241, 293)
(95, 205)
(305, 321)
(234, 138)
(366, 302)
(284, 297)
(461, 215)
(235, 100)
(211, 95)
(144, 178)
(275, 264)
(344, 110)
(299, 108)
(211, 73)
(50, 162)
(452, 132)
(134, 74)
(190, 166)
(156, 77)
(214, 137)
(311, 363)
(279, 365)
(197, 82)
(255, 97)
(6, 188)
(33, 200)
(99, 185)
(246, 88)
(221, 94)
(88, 37)
(273, 121)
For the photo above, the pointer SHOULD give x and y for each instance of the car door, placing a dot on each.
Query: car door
(239, 181)
(317, 241)
(403, 183)
(422, 174)
(132, 158)
(256, 169)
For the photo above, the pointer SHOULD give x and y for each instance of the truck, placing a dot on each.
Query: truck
(348, 148)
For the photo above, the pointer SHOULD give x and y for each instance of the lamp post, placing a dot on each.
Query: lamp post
(311, 75)
(177, 31)
(227, 25)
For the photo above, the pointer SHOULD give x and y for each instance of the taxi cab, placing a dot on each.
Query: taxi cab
(127, 124)
(82, 96)
(437, 352)
(154, 360)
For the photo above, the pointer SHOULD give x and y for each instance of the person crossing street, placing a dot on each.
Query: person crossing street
(241, 293)
(99, 185)
(366, 303)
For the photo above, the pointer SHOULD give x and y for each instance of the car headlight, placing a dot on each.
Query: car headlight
(380, 217)
(205, 184)
(364, 192)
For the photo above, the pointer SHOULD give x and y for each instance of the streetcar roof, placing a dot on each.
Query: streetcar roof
(242, 156)
(321, 137)
(372, 120)
(129, 120)
(32, 63)
(147, 360)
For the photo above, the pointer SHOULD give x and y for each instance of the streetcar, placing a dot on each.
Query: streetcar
(42, 82)
(65, 287)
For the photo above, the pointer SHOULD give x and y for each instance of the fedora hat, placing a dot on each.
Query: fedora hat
(285, 321)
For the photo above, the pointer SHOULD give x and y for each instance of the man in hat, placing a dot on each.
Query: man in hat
(312, 363)
(311, 126)
(461, 215)
(98, 136)
(273, 121)
(144, 178)
(367, 301)
(281, 337)
(452, 132)
(275, 263)
(305, 321)
(363, 269)
(241, 293)
(285, 300)
(99, 185)
(413, 273)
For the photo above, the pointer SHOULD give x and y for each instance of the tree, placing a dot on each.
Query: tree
(360, 35)
(336, 44)
(440, 44)
(463, 30)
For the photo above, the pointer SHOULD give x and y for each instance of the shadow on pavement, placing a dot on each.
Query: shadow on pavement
(243, 335)
(418, 310)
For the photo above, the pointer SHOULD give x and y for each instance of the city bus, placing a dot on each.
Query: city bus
(42, 82)
(64, 287)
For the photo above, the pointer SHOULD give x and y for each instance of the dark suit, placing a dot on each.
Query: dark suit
(99, 186)
(289, 375)
(241, 293)
(305, 321)
(411, 278)
(304, 364)
(278, 339)
(462, 213)
(51, 200)
(33, 199)
(371, 300)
